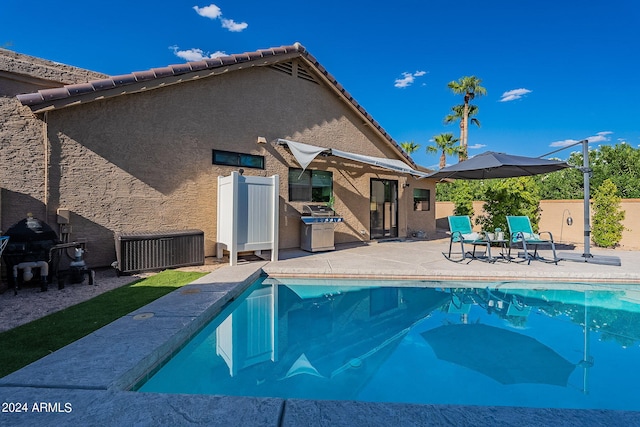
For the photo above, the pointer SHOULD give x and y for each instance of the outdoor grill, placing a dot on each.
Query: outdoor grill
(30, 242)
(33, 255)
(317, 228)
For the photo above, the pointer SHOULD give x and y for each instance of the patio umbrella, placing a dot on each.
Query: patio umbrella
(506, 356)
(498, 165)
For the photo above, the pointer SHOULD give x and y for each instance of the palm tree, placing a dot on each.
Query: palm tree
(456, 115)
(469, 87)
(445, 144)
(409, 147)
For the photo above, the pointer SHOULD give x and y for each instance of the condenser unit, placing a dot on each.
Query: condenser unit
(158, 250)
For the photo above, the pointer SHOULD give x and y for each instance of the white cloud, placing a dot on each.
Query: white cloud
(599, 137)
(194, 54)
(234, 26)
(512, 95)
(408, 79)
(476, 146)
(212, 11)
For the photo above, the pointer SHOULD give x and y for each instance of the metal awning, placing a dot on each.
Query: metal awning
(305, 153)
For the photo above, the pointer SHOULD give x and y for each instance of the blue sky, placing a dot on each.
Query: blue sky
(555, 71)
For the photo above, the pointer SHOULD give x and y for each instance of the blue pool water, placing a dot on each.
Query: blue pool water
(505, 344)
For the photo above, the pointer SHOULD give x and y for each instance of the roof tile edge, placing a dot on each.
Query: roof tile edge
(34, 99)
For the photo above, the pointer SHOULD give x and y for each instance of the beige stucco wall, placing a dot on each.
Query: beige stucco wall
(22, 146)
(351, 187)
(553, 218)
(143, 162)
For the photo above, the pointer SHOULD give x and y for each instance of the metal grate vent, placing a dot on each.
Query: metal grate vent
(285, 67)
(296, 69)
(156, 251)
(304, 74)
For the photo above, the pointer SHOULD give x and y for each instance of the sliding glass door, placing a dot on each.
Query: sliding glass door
(384, 208)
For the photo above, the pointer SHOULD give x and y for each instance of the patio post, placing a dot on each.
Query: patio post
(586, 171)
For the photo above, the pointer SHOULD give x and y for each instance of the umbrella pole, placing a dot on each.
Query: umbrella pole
(586, 170)
(586, 256)
(587, 361)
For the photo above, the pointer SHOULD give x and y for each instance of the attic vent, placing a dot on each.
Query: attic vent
(295, 69)
(305, 75)
(285, 67)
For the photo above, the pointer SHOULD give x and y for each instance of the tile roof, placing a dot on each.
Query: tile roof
(73, 94)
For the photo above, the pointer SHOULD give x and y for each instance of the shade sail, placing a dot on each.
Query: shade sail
(499, 165)
(303, 366)
(305, 153)
(506, 356)
(392, 164)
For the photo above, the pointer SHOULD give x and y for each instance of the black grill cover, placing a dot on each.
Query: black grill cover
(29, 240)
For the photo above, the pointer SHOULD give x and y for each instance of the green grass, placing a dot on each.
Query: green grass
(32, 341)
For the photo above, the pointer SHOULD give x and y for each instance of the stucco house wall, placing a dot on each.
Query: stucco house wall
(22, 147)
(143, 161)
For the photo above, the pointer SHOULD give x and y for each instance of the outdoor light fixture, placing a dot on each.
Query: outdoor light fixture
(569, 219)
(261, 140)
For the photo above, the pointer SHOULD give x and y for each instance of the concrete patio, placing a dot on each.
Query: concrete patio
(86, 382)
(425, 260)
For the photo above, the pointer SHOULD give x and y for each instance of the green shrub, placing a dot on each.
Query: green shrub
(607, 217)
(513, 196)
(462, 198)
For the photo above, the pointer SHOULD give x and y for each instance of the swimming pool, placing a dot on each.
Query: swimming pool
(504, 344)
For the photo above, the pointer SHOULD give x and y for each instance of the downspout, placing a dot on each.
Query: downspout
(46, 164)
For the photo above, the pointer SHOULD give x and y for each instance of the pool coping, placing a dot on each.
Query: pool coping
(86, 382)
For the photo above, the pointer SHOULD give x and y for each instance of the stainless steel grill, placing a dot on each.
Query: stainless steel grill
(317, 228)
(158, 250)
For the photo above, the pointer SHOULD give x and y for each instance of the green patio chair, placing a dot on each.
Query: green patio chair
(462, 232)
(521, 234)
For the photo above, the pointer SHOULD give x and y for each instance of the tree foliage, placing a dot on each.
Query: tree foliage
(620, 163)
(456, 115)
(607, 218)
(463, 199)
(445, 144)
(512, 196)
(469, 87)
(565, 184)
(446, 191)
(409, 146)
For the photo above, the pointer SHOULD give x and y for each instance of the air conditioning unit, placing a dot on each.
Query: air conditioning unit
(146, 251)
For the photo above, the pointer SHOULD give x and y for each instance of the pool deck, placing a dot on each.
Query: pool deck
(86, 382)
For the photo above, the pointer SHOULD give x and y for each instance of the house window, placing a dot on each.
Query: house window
(421, 199)
(310, 185)
(230, 158)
